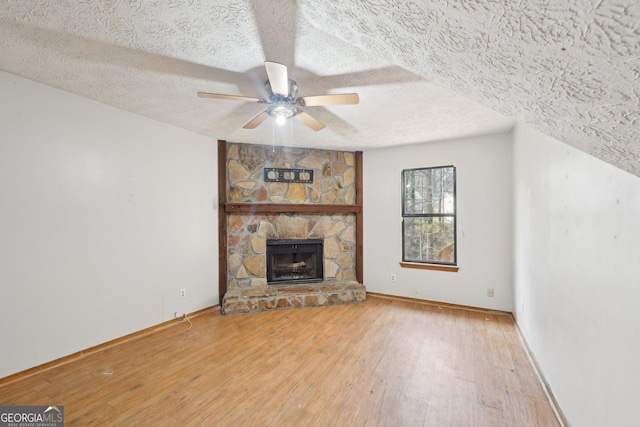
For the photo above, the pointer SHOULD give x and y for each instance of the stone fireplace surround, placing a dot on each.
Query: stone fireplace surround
(254, 212)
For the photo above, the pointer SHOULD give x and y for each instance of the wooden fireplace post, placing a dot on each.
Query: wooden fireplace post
(359, 219)
(222, 219)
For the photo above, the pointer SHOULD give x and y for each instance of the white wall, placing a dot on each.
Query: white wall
(484, 207)
(105, 215)
(577, 277)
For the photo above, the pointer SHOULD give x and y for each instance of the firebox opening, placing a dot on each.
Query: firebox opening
(294, 261)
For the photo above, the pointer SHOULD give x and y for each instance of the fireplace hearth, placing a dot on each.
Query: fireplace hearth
(293, 261)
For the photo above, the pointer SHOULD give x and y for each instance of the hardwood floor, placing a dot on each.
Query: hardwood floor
(383, 362)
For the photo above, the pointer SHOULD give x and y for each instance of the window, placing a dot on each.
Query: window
(429, 215)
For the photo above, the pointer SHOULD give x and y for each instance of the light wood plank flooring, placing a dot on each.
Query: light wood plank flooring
(383, 362)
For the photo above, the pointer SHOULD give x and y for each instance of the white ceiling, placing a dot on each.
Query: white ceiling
(424, 70)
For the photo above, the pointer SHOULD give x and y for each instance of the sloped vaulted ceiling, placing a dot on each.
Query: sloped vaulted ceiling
(571, 69)
(425, 70)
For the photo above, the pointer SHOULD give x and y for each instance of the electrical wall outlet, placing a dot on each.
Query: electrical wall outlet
(183, 293)
(490, 292)
(393, 277)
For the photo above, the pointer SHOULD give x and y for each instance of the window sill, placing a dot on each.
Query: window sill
(438, 267)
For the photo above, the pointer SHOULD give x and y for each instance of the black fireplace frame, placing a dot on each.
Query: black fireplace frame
(296, 246)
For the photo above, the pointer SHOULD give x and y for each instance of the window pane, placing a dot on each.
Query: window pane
(429, 239)
(429, 191)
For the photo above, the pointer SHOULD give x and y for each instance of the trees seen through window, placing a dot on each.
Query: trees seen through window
(429, 215)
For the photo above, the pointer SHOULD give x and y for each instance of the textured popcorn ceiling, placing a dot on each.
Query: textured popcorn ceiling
(424, 70)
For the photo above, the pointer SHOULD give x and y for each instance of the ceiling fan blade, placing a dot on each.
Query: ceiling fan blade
(278, 78)
(309, 121)
(276, 22)
(229, 97)
(338, 99)
(257, 120)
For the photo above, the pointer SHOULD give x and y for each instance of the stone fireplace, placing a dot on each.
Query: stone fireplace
(266, 217)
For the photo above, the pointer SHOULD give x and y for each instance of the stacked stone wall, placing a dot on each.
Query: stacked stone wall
(247, 234)
(247, 237)
(333, 180)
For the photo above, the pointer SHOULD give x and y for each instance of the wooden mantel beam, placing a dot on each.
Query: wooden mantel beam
(289, 208)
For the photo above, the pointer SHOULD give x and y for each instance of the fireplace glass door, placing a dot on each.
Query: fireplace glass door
(294, 261)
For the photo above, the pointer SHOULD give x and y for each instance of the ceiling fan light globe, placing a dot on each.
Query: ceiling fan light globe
(281, 113)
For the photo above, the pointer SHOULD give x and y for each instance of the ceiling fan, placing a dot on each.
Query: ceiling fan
(283, 103)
